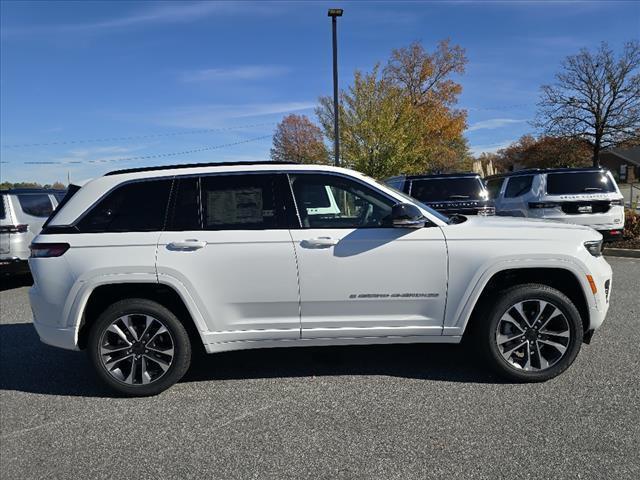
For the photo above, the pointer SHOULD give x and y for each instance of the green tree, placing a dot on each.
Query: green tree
(401, 119)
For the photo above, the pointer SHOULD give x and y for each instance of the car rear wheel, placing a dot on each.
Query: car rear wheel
(139, 348)
(532, 334)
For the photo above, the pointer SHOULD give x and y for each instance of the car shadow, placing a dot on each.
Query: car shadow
(9, 282)
(31, 366)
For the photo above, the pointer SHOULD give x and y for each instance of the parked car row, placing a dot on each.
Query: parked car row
(584, 196)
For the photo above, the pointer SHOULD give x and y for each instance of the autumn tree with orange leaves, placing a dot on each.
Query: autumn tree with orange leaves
(402, 118)
(297, 139)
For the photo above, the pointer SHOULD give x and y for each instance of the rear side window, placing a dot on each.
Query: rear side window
(132, 207)
(239, 202)
(518, 186)
(3, 213)
(442, 189)
(493, 187)
(579, 182)
(35, 204)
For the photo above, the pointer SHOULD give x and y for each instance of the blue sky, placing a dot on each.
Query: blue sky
(188, 76)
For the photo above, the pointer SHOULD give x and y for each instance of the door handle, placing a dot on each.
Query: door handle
(319, 242)
(186, 245)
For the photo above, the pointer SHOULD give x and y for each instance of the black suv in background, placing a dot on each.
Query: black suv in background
(448, 193)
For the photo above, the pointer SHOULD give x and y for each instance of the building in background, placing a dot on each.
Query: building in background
(624, 163)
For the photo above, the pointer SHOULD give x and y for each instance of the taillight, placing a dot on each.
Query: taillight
(46, 250)
(14, 228)
(543, 205)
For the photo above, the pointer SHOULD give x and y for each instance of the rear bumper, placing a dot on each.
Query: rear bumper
(13, 266)
(611, 235)
(56, 337)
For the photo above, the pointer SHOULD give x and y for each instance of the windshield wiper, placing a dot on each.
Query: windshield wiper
(592, 189)
(458, 196)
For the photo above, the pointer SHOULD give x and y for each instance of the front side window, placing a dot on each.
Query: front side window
(331, 201)
(493, 187)
(518, 186)
(35, 204)
(132, 207)
(3, 213)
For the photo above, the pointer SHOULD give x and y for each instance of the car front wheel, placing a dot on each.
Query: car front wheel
(532, 334)
(139, 348)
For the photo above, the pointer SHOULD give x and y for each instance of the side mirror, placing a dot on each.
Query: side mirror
(407, 215)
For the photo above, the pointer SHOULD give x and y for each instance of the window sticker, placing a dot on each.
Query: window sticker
(226, 207)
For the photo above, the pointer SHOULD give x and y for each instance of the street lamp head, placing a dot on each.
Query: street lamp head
(335, 12)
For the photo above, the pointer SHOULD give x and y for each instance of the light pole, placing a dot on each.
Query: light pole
(334, 13)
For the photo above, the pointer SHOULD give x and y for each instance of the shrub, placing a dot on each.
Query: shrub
(631, 225)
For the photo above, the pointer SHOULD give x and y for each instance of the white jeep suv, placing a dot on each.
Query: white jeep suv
(141, 265)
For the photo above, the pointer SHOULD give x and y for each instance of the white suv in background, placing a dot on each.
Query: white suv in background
(23, 211)
(141, 265)
(585, 196)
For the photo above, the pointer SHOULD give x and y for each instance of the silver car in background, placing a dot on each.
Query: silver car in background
(23, 212)
(584, 196)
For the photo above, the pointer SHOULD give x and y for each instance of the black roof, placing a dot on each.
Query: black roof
(195, 165)
(533, 171)
(33, 190)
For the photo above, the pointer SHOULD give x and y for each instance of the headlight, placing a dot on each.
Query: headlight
(594, 247)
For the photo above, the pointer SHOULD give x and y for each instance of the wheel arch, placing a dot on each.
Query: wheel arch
(107, 293)
(562, 279)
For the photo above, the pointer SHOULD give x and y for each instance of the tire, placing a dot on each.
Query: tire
(547, 351)
(143, 332)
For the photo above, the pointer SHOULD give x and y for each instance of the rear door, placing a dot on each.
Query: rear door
(227, 241)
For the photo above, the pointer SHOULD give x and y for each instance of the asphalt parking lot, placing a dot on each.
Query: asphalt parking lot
(417, 411)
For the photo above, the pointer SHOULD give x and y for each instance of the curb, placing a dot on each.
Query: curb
(621, 252)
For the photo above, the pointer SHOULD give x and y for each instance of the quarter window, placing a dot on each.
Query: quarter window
(35, 204)
(330, 201)
(132, 207)
(518, 186)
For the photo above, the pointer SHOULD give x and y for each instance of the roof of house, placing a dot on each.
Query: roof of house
(631, 155)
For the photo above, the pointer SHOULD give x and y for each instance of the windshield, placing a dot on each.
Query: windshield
(448, 189)
(579, 182)
(433, 212)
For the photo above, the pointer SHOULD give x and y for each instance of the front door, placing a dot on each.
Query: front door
(359, 276)
(228, 243)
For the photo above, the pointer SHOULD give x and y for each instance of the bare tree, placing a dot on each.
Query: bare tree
(596, 96)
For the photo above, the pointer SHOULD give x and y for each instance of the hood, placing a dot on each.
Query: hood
(518, 228)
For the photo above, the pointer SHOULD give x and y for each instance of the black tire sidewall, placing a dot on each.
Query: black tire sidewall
(182, 346)
(523, 293)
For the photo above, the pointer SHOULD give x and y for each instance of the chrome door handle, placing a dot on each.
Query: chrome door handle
(319, 242)
(186, 245)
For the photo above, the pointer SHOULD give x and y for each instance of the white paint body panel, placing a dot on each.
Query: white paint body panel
(255, 289)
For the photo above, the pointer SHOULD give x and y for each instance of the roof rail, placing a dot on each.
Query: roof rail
(196, 165)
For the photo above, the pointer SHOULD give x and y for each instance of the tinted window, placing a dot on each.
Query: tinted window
(330, 201)
(518, 186)
(186, 212)
(59, 195)
(239, 202)
(3, 213)
(579, 182)
(443, 189)
(133, 207)
(35, 204)
(493, 187)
